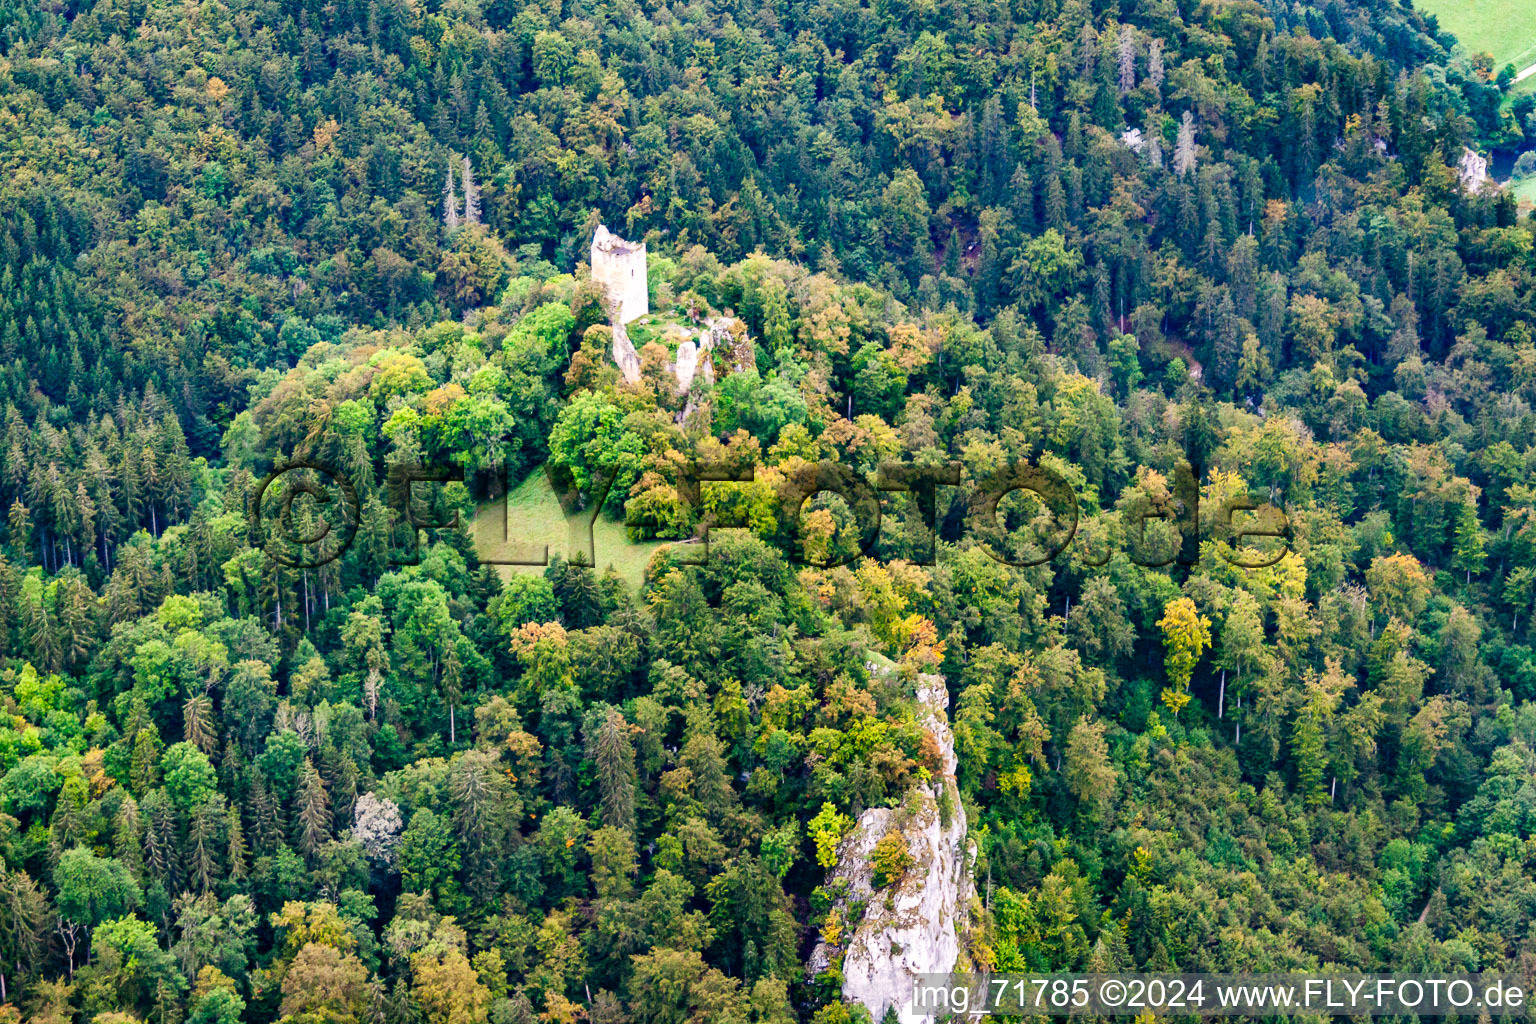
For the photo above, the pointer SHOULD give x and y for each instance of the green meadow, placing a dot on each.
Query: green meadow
(1504, 28)
(534, 520)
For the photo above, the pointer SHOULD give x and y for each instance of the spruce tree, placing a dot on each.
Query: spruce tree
(21, 526)
(613, 753)
(266, 833)
(197, 723)
(235, 843)
(162, 842)
(24, 919)
(480, 799)
(450, 203)
(1468, 554)
(127, 837)
(1184, 148)
(471, 195)
(202, 839)
(314, 811)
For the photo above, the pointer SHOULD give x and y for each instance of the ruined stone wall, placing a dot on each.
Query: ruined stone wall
(620, 267)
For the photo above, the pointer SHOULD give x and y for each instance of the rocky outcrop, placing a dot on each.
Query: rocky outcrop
(723, 337)
(687, 365)
(913, 927)
(624, 354)
(1473, 169)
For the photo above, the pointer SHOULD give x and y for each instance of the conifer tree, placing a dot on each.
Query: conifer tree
(450, 203)
(266, 833)
(1404, 341)
(1184, 148)
(127, 837)
(610, 748)
(1468, 553)
(23, 920)
(162, 854)
(67, 826)
(314, 810)
(39, 628)
(202, 837)
(21, 528)
(235, 843)
(471, 194)
(197, 723)
(480, 799)
(1127, 59)
(144, 770)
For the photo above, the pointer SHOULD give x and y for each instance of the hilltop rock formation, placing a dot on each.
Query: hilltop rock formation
(914, 926)
(723, 338)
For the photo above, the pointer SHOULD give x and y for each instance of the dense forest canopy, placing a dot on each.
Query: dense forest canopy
(1111, 237)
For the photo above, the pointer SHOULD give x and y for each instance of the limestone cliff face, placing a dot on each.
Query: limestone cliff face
(914, 926)
(624, 354)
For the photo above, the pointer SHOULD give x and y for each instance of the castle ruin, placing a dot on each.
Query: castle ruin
(620, 267)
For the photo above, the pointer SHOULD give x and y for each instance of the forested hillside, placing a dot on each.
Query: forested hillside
(1116, 238)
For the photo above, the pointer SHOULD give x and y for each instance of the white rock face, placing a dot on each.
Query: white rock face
(1473, 169)
(696, 356)
(913, 927)
(624, 354)
(687, 364)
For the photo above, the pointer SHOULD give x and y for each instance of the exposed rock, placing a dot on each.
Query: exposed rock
(914, 926)
(1473, 169)
(687, 364)
(722, 334)
(624, 354)
(722, 338)
(727, 336)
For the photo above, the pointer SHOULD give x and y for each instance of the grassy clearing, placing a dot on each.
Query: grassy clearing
(642, 330)
(1504, 28)
(535, 519)
(1525, 191)
(657, 326)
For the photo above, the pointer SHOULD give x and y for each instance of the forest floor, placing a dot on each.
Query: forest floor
(534, 519)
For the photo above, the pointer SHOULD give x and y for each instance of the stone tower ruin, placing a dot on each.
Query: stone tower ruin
(620, 266)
